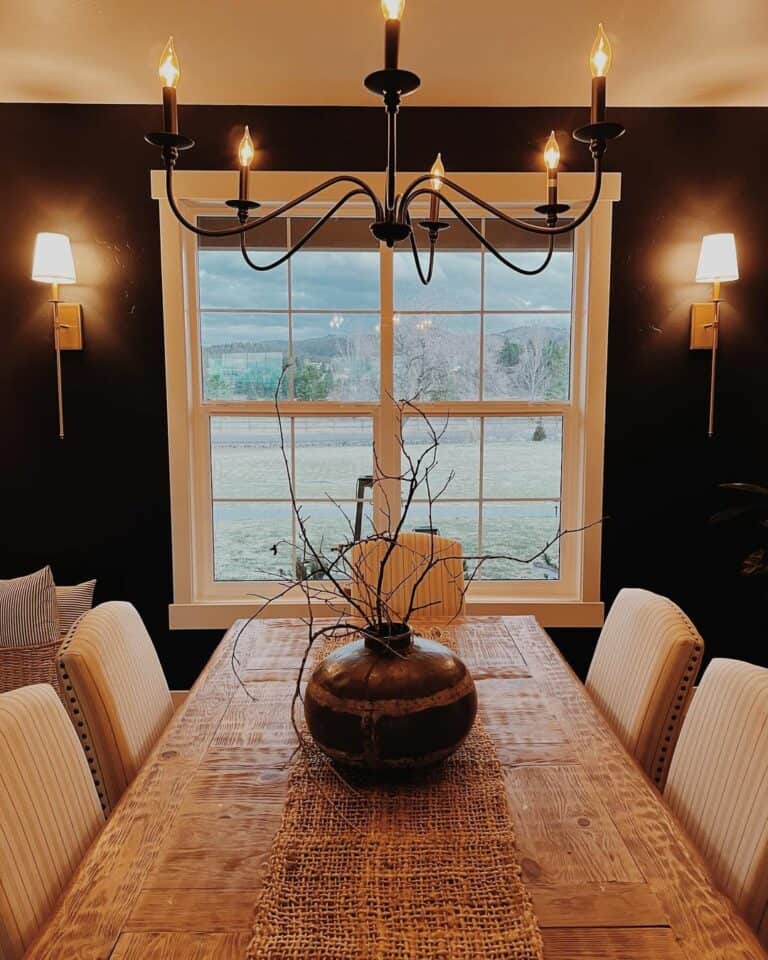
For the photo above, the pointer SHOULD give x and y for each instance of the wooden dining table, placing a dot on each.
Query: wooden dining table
(177, 868)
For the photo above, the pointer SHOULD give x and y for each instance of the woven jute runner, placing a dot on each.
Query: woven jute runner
(423, 867)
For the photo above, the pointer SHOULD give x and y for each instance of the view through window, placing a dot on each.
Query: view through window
(479, 337)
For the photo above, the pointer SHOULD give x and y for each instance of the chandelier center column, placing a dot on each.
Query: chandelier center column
(392, 103)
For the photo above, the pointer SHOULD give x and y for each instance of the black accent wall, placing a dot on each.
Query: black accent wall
(97, 504)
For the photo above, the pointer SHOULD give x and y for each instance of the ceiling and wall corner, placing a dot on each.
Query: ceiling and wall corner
(297, 52)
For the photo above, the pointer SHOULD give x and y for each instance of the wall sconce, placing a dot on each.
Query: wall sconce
(52, 263)
(717, 264)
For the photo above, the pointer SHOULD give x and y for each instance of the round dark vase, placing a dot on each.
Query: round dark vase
(390, 700)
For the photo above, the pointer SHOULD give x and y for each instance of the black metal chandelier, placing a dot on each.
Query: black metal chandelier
(392, 218)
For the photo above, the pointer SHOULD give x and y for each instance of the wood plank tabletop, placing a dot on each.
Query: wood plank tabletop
(176, 870)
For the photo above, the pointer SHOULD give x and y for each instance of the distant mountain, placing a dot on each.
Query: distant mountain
(560, 334)
(331, 345)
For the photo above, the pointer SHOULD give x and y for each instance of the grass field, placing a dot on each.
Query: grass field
(331, 454)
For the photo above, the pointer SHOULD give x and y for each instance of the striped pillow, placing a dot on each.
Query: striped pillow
(29, 615)
(73, 602)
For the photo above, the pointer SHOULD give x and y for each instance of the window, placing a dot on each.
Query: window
(508, 363)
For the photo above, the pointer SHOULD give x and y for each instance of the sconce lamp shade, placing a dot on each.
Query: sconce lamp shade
(52, 261)
(717, 259)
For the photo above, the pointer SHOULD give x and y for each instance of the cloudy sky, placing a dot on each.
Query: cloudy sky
(340, 281)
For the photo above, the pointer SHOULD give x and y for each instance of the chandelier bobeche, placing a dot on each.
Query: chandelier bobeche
(392, 218)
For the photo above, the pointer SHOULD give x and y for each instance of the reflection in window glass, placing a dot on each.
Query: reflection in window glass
(336, 356)
(437, 357)
(527, 357)
(243, 355)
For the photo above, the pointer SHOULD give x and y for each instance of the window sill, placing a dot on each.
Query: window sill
(221, 614)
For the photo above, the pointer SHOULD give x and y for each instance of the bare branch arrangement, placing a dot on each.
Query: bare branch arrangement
(325, 581)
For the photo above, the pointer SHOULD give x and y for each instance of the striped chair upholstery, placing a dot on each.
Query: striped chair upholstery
(718, 783)
(440, 595)
(642, 675)
(49, 811)
(116, 694)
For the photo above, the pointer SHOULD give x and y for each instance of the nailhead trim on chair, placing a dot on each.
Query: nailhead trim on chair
(78, 719)
(674, 719)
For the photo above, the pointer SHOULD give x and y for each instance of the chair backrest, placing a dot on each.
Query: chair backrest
(439, 595)
(642, 675)
(116, 694)
(718, 783)
(49, 811)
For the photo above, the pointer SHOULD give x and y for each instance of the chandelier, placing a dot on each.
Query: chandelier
(392, 222)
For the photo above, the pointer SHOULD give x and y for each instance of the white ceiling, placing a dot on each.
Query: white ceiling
(468, 52)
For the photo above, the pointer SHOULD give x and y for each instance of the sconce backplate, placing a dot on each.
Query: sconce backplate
(703, 320)
(70, 322)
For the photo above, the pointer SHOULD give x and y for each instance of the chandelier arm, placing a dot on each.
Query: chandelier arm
(417, 256)
(486, 243)
(307, 236)
(499, 214)
(362, 186)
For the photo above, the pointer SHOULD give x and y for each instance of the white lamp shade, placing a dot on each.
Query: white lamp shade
(52, 261)
(717, 259)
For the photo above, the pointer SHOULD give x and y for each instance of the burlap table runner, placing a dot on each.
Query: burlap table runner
(421, 868)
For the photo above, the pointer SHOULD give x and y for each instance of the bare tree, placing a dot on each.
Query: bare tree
(433, 363)
(534, 368)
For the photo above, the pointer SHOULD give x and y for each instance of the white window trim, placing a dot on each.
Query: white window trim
(573, 603)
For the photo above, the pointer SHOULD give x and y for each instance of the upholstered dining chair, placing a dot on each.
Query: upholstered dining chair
(49, 811)
(116, 694)
(718, 783)
(440, 595)
(642, 675)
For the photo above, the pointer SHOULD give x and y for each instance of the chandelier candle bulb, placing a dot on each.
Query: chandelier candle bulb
(552, 162)
(245, 153)
(600, 63)
(169, 74)
(393, 11)
(437, 172)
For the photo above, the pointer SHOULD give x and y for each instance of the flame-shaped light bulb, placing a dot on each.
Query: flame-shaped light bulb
(246, 151)
(601, 54)
(437, 173)
(552, 153)
(169, 69)
(392, 9)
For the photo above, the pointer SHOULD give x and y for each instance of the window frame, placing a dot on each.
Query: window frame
(199, 602)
